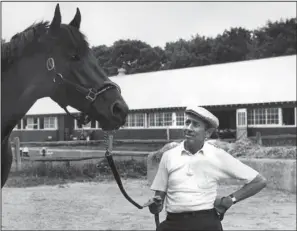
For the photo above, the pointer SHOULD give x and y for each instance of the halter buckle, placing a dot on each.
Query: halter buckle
(50, 64)
(60, 78)
(91, 95)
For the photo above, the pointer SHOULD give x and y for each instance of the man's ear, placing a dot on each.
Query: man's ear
(209, 132)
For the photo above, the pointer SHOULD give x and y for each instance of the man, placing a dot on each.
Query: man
(188, 174)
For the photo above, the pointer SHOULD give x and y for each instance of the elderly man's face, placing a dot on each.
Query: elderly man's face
(195, 129)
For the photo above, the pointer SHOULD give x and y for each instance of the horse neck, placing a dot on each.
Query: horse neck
(18, 96)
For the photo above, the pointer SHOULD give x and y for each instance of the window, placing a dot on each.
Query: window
(91, 125)
(272, 116)
(288, 116)
(263, 116)
(135, 120)
(50, 123)
(87, 126)
(260, 115)
(160, 119)
(180, 119)
(32, 123)
(19, 125)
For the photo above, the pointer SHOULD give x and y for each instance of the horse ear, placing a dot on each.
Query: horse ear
(76, 20)
(56, 22)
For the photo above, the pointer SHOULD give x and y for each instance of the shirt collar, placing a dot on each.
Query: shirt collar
(183, 151)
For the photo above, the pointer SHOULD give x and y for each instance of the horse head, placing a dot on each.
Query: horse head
(74, 76)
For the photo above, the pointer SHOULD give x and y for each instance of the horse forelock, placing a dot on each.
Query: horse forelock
(77, 38)
(13, 50)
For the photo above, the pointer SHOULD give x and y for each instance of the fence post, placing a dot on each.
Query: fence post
(167, 133)
(17, 153)
(258, 138)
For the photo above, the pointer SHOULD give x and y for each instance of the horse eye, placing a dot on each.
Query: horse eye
(75, 57)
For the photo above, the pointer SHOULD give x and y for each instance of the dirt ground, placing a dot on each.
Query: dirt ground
(94, 206)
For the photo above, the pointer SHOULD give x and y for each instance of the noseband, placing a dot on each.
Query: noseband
(90, 94)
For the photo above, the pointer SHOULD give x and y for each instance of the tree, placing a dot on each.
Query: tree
(178, 54)
(201, 47)
(233, 45)
(275, 39)
(133, 55)
(103, 53)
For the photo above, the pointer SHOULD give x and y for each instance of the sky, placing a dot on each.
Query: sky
(153, 22)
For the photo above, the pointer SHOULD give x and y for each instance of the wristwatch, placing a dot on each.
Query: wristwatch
(234, 200)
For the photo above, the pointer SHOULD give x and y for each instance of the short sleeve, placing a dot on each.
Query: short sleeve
(161, 179)
(234, 168)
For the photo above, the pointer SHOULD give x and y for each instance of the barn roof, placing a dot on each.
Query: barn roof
(245, 82)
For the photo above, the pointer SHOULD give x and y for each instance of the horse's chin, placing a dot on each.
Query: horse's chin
(107, 125)
(110, 128)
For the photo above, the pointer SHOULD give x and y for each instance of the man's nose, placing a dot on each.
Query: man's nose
(189, 127)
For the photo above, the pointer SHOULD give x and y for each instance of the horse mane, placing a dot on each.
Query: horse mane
(14, 49)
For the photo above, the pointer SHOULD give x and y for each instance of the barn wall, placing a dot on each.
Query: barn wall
(130, 134)
(35, 135)
(272, 131)
(66, 128)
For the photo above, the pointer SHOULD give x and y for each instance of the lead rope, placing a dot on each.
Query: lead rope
(108, 139)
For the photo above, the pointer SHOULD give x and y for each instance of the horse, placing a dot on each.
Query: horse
(51, 59)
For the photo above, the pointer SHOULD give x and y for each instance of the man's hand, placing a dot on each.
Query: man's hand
(222, 204)
(155, 205)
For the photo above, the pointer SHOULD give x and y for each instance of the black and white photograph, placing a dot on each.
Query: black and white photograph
(148, 115)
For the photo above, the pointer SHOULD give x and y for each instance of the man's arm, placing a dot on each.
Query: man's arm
(222, 204)
(250, 189)
(159, 185)
(233, 168)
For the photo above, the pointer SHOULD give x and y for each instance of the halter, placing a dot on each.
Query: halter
(90, 94)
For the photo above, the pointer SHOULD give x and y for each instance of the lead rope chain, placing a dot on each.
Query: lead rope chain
(108, 138)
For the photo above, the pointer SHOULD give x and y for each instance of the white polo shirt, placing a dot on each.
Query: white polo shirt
(190, 181)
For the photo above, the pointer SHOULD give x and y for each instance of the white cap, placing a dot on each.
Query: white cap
(203, 114)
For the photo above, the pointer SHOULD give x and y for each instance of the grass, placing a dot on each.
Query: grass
(49, 173)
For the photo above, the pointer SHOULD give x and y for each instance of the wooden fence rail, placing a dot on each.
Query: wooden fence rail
(97, 154)
(53, 158)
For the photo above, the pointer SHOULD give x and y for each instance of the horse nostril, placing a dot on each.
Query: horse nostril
(116, 109)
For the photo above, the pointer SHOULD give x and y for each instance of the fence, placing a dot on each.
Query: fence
(69, 155)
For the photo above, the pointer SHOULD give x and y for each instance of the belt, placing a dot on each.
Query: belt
(192, 213)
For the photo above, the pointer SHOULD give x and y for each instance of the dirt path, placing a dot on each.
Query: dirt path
(101, 206)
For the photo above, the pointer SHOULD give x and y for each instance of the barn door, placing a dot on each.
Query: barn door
(241, 123)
